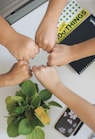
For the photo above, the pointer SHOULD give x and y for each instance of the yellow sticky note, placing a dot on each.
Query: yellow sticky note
(42, 115)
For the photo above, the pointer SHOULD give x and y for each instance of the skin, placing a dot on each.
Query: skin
(20, 46)
(46, 35)
(19, 72)
(80, 106)
(64, 54)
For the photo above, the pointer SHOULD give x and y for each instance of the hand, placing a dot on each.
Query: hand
(46, 35)
(22, 47)
(61, 55)
(47, 76)
(19, 73)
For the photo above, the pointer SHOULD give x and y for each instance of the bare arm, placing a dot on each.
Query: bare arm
(83, 109)
(18, 73)
(54, 9)
(6, 32)
(20, 46)
(46, 35)
(64, 54)
(80, 106)
(85, 49)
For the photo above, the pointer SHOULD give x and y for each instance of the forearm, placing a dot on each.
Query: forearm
(5, 80)
(54, 9)
(84, 49)
(6, 31)
(83, 109)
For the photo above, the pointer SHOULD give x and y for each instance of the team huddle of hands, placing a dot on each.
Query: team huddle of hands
(24, 48)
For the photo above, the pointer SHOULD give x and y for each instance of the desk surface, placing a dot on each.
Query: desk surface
(83, 84)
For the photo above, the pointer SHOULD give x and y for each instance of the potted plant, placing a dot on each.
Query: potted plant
(28, 111)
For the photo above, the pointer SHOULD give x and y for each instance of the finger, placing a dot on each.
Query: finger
(37, 50)
(38, 43)
(27, 58)
(49, 50)
(36, 40)
(30, 72)
(29, 75)
(34, 53)
(34, 68)
(24, 62)
(21, 58)
(50, 63)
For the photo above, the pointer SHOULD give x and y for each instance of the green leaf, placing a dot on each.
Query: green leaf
(13, 99)
(19, 110)
(38, 122)
(45, 94)
(53, 103)
(28, 88)
(12, 102)
(37, 88)
(11, 107)
(10, 119)
(35, 102)
(17, 98)
(37, 133)
(19, 93)
(9, 100)
(28, 114)
(12, 129)
(45, 106)
(26, 126)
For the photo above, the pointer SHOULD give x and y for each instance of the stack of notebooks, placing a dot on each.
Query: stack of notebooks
(76, 24)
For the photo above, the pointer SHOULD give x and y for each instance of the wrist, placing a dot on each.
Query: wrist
(84, 49)
(4, 80)
(6, 32)
(55, 89)
(7, 42)
(51, 18)
(55, 8)
(76, 52)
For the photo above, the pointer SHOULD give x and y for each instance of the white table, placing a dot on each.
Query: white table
(83, 84)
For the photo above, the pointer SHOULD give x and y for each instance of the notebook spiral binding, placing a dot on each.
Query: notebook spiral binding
(87, 66)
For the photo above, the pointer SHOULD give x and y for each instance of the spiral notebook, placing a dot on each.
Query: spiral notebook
(76, 25)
